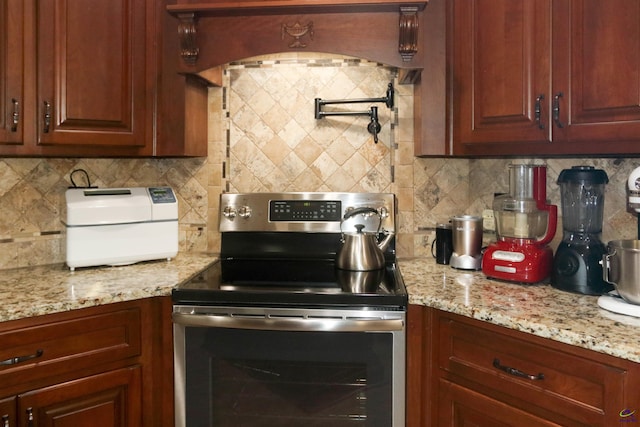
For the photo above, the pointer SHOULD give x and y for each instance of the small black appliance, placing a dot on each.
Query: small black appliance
(577, 263)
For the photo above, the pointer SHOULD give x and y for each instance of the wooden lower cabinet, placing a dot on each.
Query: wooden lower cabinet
(8, 412)
(474, 373)
(109, 399)
(460, 406)
(89, 367)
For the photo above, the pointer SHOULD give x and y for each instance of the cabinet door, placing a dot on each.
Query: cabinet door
(459, 406)
(105, 400)
(8, 412)
(91, 74)
(11, 71)
(500, 63)
(596, 66)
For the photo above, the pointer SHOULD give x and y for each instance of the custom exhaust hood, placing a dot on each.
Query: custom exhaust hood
(213, 33)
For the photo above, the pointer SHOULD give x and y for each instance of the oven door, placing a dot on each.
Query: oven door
(288, 367)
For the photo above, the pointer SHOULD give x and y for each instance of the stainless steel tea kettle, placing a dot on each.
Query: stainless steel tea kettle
(360, 250)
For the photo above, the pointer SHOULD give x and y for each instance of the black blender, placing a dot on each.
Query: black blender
(577, 263)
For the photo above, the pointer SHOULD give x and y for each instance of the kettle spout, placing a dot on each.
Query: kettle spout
(385, 242)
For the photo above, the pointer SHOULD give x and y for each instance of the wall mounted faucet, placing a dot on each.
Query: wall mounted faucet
(374, 125)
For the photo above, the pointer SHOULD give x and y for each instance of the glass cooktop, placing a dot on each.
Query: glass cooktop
(283, 282)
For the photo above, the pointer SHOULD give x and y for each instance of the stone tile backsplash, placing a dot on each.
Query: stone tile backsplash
(263, 137)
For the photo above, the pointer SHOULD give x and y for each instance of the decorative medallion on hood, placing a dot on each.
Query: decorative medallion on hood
(214, 33)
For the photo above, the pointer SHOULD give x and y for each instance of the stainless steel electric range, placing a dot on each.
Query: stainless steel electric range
(274, 334)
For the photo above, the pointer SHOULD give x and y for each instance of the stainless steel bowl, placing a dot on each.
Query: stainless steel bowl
(621, 267)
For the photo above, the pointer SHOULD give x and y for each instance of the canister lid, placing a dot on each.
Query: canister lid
(579, 174)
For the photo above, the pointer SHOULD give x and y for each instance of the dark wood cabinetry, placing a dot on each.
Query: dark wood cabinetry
(476, 373)
(8, 412)
(84, 79)
(11, 72)
(89, 367)
(105, 400)
(92, 69)
(546, 77)
(539, 77)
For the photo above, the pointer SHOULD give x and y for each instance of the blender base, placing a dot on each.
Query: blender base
(577, 268)
(517, 263)
(466, 262)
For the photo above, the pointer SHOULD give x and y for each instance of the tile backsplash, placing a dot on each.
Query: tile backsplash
(263, 137)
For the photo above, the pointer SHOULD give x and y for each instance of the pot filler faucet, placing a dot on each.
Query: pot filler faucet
(374, 125)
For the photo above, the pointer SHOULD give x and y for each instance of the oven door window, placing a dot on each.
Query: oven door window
(251, 378)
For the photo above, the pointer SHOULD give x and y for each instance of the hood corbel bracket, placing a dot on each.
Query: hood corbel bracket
(187, 33)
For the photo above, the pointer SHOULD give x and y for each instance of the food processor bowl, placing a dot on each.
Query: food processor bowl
(519, 219)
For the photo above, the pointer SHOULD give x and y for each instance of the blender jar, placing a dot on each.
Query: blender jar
(582, 195)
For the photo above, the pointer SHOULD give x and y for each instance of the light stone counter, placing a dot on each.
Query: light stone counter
(537, 309)
(34, 291)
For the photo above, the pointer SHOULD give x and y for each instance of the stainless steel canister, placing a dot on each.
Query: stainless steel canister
(467, 242)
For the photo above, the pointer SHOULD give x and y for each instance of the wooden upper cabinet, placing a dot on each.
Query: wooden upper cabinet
(532, 77)
(596, 67)
(91, 74)
(501, 62)
(11, 72)
(85, 79)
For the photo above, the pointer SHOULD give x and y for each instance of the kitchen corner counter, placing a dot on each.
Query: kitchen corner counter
(536, 309)
(34, 291)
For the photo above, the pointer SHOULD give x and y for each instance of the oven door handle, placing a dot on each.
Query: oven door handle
(289, 324)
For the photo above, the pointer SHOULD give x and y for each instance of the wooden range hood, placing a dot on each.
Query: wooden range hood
(216, 32)
(200, 37)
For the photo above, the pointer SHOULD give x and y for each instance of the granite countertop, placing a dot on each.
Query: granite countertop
(537, 309)
(34, 291)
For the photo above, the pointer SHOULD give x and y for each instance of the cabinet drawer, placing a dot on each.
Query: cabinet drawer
(527, 374)
(67, 345)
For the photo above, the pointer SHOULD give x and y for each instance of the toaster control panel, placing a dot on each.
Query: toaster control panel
(162, 195)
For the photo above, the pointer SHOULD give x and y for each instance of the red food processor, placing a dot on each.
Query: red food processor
(525, 224)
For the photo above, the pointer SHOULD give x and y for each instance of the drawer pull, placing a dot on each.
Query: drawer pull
(516, 372)
(20, 359)
(538, 110)
(15, 116)
(5, 421)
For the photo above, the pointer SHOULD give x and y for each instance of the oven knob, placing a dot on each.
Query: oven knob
(229, 212)
(244, 211)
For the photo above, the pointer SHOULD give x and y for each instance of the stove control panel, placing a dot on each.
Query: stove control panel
(306, 212)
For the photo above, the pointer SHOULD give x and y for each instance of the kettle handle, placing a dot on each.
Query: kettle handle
(363, 210)
(356, 211)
